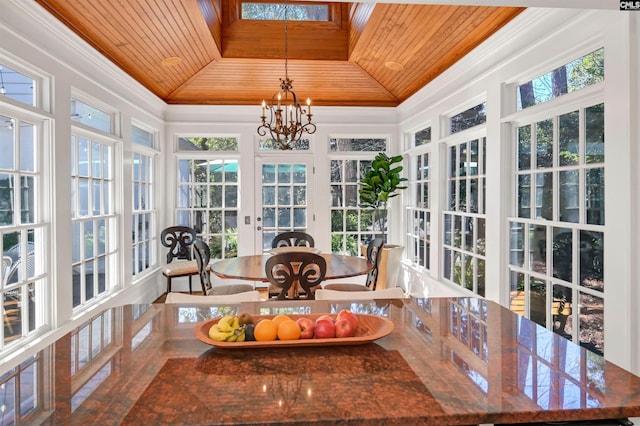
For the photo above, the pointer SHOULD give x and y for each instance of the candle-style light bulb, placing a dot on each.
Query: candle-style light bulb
(264, 104)
(309, 106)
(279, 97)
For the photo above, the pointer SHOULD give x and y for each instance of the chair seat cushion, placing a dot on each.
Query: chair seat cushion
(230, 289)
(247, 296)
(346, 287)
(180, 268)
(387, 293)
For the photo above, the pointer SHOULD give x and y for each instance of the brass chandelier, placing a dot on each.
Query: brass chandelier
(285, 112)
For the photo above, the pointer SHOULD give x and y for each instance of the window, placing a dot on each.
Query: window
(144, 214)
(468, 119)
(357, 144)
(17, 86)
(208, 191)
(215, 144)
(557, 234)
(271, 145)
(276, 11)
(422, 137)
(91, 116)
(351, 226)
(144, 234)
(419, 211)
(94, 221)
(575, 75)
(464, 216)
(22, 231)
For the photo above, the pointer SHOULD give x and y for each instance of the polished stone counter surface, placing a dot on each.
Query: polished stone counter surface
(448, 361)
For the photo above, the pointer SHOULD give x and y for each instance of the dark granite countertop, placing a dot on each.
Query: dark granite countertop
(455, 361)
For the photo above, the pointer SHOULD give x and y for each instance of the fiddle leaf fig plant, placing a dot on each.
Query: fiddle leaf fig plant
(381, 183)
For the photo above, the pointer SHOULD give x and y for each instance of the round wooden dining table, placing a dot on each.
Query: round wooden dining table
(252, 267)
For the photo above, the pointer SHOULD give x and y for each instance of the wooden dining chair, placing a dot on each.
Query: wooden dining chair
(287, 270)
(202, 253)
(292, 239)
(179, 240)
(374, 254)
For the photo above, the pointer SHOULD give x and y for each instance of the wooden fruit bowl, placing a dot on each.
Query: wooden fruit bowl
(371, 328)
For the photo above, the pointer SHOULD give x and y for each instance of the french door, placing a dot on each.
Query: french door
(284, 198)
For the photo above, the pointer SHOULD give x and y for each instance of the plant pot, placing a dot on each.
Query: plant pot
(389, 268)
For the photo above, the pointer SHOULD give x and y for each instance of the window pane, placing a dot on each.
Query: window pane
(141, 136)
(569, 196)
(276, 11)
(422, 137)
(568, 139)
(355, 144)
(544, 144)
(469, 118)
(594, 193)
(594, 129)
(207, 144)
(90, 116)
(27, 146)
(575, 75)
(17, 86)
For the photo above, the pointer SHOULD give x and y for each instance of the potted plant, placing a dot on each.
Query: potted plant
(379, 184)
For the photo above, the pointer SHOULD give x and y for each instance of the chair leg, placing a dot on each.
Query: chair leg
(190, 292)
(168, 285)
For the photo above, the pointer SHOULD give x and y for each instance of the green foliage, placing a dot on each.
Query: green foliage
(344, 244)
(589, 70)
(381, 182)
(214, 144)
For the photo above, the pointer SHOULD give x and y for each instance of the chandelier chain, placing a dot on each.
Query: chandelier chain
(284, 124)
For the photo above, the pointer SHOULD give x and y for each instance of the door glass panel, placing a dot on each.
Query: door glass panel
(284, 200)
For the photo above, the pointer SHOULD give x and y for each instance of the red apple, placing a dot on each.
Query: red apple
(349, 316)
(325, 317)
(306, 328)
(344, 328)
(324, 329)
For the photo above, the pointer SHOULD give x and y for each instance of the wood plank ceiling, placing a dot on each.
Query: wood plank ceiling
(367, 54)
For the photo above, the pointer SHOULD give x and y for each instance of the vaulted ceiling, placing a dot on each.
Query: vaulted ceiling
(202, 52)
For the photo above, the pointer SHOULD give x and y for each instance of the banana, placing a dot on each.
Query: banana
(225, 323)
(216, 334)
(227, 329)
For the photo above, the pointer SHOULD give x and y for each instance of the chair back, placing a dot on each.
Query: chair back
(374, 254)
(285, 269)
(179, 240)
(202, 254)
(292, 239)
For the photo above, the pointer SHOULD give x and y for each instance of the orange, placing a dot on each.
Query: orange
(288, 330)
(279, 318)
(266, 330)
